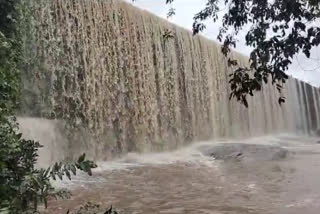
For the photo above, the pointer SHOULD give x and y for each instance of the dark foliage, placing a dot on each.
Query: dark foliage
(276, 30)
(22, 185)
(7, 17)
(92, 208)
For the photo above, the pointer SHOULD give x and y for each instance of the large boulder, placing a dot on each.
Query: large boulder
(241, 151)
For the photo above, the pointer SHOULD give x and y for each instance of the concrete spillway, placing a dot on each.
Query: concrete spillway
(104, 79)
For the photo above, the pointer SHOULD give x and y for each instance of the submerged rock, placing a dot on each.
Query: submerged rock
(317, 132)
(240, 151)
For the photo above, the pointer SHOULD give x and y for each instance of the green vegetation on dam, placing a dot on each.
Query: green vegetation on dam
(107, 78)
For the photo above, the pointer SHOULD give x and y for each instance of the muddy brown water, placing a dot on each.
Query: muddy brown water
(185, 181)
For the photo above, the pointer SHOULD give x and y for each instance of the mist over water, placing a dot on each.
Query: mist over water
(187, 181)
(154, 111)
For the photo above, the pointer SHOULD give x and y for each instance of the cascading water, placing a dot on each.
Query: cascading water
(108, 79)
(110, 73)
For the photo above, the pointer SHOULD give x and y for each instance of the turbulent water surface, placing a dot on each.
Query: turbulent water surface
(191, 181)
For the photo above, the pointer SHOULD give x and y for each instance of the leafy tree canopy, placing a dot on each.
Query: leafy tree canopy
(276, 30)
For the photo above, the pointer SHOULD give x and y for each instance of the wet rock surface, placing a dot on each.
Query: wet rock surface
(244, 152)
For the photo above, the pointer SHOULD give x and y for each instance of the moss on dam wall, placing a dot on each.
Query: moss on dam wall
(110, 82)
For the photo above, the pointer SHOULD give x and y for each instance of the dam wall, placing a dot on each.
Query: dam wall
(107, 78)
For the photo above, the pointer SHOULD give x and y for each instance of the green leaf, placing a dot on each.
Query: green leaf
(73, 169)
(46, 173)
(60, 175)
(68, 174)
(19, 135)
(82, 158)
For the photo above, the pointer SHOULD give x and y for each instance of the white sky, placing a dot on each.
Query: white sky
(302, 68)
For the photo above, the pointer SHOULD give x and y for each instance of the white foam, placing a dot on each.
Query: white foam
(192, 154)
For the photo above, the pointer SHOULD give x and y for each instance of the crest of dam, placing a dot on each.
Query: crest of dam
(104, 77)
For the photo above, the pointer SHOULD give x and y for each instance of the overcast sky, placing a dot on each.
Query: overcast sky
(302, 68)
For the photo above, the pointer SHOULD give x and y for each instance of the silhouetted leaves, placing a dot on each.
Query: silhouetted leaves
(281, 100)
(167, 35)
(171, 12)
(111, 211)
(59, 169)
(92, 208)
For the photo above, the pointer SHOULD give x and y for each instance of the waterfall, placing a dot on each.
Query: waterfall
(316, 107)
(317, 102)
(302, 105)
(108, 72)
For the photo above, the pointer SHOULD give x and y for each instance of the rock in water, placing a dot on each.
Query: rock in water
(317, 133)
(240, 151)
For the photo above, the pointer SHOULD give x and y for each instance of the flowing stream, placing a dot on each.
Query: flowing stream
(188, 181)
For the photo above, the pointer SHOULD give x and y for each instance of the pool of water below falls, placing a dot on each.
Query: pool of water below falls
(199, 180)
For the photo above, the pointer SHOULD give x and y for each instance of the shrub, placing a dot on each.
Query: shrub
(22, 185)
